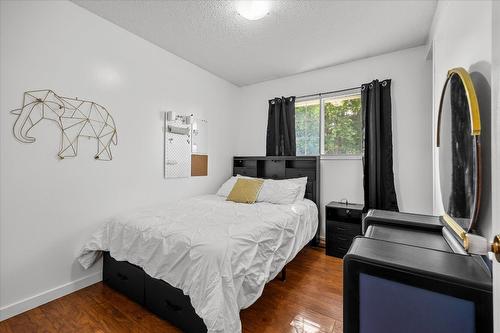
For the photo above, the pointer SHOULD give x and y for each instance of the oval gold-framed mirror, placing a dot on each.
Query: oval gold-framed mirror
(458, 141)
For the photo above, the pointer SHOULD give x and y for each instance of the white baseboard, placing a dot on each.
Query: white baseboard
(49, 295)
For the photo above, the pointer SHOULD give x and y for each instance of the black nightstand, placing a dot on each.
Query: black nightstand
(343, 223)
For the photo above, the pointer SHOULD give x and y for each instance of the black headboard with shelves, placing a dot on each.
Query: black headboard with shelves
(283, 167)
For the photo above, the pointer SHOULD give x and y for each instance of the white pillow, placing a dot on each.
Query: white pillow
(281, 192)
(302, 182)
(227, 187)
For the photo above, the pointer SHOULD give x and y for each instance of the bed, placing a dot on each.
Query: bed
(198, 262)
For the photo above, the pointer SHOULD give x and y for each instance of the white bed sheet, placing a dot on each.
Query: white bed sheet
(218, 252)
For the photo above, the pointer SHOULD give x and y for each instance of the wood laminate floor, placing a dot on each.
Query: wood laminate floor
(310, 301)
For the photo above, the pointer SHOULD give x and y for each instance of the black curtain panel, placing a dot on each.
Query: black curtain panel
(280, 140)
(378, 175)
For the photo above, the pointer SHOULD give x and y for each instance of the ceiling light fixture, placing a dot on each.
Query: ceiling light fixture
(252, 9)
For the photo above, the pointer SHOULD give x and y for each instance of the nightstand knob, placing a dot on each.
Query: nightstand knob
(348, 212)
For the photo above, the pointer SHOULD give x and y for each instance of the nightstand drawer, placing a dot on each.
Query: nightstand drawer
(349, 229)
(341, 240)
(339, 237)
(343, 214)
(338, 246)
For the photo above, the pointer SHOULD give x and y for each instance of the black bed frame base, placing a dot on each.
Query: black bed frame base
(156, 295)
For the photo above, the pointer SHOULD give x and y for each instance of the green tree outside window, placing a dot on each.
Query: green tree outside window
(342, 126)
(307, 128)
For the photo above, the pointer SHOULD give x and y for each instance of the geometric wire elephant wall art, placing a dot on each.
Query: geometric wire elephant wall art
(76, 118)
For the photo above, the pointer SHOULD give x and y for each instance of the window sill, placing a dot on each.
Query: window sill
(340, 157)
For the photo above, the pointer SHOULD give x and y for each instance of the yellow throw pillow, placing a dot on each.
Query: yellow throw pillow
(245, 190)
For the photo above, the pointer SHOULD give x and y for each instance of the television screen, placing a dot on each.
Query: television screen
(388, 306)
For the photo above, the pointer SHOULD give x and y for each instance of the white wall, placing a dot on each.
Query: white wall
(461, 37)
(48, 206)
(412, 111)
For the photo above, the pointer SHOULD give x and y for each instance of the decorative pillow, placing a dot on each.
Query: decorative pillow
(281, 192)
(245, 190)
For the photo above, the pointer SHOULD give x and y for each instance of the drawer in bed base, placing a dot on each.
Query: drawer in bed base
(171, 304)
(124, 277)
(158, 296)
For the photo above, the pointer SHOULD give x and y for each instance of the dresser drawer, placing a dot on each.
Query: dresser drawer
(124, 277)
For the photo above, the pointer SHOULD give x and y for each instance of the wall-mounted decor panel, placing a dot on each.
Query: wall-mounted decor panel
(177, 131)
(186, 146)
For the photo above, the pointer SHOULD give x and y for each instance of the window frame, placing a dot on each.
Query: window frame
(322, 97)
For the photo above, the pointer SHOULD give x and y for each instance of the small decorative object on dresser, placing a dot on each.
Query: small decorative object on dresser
(343, 223)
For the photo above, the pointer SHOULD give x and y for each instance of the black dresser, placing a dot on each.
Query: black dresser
(343, 223)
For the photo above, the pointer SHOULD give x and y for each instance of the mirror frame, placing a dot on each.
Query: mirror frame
(476, 132)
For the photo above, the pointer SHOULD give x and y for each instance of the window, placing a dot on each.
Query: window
(329, 125)
(307, 114)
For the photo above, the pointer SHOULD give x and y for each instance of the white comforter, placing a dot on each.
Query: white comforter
(218, 252)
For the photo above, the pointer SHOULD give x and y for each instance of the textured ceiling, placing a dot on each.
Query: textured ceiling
(296, 36)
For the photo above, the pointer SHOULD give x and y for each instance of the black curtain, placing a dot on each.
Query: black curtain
(378, 175)
(280, 139)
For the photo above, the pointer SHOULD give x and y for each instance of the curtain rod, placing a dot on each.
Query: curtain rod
(328, 92)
